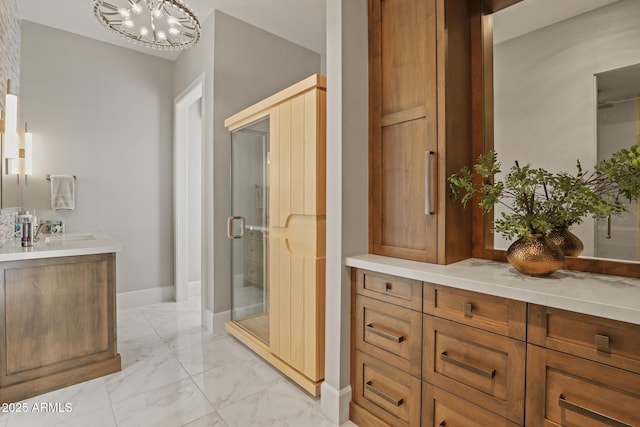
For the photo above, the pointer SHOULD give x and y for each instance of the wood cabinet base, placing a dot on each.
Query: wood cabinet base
(35, 387)
(57, 323)
(310, 386)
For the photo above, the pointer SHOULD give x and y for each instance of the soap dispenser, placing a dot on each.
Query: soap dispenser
(26, 221)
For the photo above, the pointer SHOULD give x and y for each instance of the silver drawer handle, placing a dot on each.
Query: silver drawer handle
(563, 403)
(382, 394)
(427, 183)
(446, 358)
(602, 343)
(383, 334)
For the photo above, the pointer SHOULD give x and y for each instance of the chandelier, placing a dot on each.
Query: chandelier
(158, 24)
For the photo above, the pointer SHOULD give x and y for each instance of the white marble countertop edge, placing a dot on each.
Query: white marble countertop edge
(102, 243)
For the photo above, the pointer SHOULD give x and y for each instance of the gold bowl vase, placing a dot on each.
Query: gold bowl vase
(570, 244)
(535, 255)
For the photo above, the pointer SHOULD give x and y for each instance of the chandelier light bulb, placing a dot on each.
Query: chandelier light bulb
(158, 24)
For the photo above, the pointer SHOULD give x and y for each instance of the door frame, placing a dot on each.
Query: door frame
(192, 94)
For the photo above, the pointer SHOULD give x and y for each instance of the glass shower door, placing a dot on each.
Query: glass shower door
(248, 228)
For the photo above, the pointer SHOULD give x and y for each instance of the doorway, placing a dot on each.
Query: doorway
(188, 146)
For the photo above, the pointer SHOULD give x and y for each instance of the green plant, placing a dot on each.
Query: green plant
(539, 201)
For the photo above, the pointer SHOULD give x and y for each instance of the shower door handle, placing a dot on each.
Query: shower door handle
(230, 221)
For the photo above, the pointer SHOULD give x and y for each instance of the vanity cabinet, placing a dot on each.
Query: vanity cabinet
(485, 360)
(582, 370)
(57, 323)
(419, 114)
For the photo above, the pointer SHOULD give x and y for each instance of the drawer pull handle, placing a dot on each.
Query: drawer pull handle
(602, 343)
(442, 424)
(382, 394)
(387, 286)
(487, 374)
(563, 403)
(383, 334)
(468, 308)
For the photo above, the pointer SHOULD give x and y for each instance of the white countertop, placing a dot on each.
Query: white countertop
(612, 297)
(69, 244)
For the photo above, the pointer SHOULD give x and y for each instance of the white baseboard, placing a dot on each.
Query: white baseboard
(194, 288)
(207, 320)
(219, 319)
(133, 299)
(335, 403)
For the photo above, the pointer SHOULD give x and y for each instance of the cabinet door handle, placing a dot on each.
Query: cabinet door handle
(382, 394)
(563, 403)
(383, 334)
(442, 424)
(468, 309)
(602, 343)
(448, 359)
(427, 183)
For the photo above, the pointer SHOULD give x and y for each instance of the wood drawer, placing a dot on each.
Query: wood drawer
(390, 333)
(386, 392)
(607, 341)
(482, 367)
(392, 289)
(564, 390)
(500, 315)
(440, 409)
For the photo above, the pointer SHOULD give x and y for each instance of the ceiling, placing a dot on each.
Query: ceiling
(299, 21)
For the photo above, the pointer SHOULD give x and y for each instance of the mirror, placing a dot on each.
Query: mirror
(566, 84)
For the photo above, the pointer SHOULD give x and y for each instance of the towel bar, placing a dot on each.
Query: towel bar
(49, 177)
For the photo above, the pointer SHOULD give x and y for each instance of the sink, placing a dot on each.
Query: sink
(69, 238)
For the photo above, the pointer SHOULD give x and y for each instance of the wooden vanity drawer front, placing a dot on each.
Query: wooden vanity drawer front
(396, 290)
(564, 390)
(442, 409)
(500, 315)
(390, 333)
(388, 393)
(482, 367)
(607, 341)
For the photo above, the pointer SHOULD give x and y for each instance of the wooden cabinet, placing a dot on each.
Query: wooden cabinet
(419, 56)
(582, 371)
(564, 390)
(443, 409)
(57, 323)
(253, 258)
(481, 367)
(486, 360)
(386, 350)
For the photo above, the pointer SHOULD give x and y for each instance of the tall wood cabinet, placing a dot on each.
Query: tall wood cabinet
(419, 74)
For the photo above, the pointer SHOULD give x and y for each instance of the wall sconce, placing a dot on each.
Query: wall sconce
(17, 160)
(26, 154)
(11, 125)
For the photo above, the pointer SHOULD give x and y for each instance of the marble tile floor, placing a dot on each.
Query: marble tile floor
(174, 374)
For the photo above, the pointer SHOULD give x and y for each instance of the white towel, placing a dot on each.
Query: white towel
(63, 192)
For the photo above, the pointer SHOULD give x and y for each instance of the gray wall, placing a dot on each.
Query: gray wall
(250, 65)
(104, 114)
(545, 96)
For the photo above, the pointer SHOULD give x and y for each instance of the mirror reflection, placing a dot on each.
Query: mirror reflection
(566, 87)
